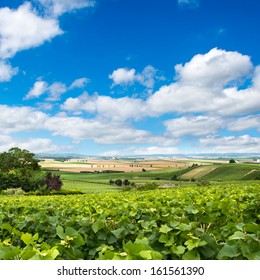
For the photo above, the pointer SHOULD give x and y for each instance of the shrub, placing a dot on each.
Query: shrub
(119, 182)
(148, 186)
(12, 191)
(126, 182)
(15, 181)
(203, 183)
(52, 182)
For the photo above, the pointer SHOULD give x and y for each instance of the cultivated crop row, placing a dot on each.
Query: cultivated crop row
(180, 223)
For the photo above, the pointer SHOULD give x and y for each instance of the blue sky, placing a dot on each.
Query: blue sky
(129, 77)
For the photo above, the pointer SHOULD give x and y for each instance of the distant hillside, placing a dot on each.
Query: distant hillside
(224, 172)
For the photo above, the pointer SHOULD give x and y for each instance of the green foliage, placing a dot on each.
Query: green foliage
(19, 160)
(147, 187)
(118, 182)
(203, 183)
(14, 181)
(232, 161)
(180, 223)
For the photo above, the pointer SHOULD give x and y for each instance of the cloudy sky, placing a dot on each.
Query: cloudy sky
(128, 77)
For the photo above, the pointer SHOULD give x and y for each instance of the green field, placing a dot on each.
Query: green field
(99, 182)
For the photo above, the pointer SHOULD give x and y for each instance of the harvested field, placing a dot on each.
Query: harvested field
(198, 172)
(95, 165)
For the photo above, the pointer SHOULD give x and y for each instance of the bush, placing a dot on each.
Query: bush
(52, 182)
(147, 187)
(119, 182)
(12, 191)
(126, 182)
(15, 181)
(203, 183)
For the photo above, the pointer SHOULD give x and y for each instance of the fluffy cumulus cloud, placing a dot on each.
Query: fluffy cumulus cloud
(118, 109)
(16, 119)
(37, 90)
(238, 144)
(35, 145)
(54, 90)
(100, 132)
(6, 71)
(23, 28)
(216, 68)
(207, 84)
(198, 125)
(59, 7)
(125, 76)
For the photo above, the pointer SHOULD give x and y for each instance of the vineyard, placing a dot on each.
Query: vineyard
(180, 223)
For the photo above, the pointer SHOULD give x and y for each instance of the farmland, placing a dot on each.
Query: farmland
(95, 175)
(179, 220)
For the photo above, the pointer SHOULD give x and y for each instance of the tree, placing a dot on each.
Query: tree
(18, 169)
(232, 161)
(21, 161)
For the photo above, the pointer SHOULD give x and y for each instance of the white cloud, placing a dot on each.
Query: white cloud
(228, 144)
(55, 90)
(23, 29)
(202, 87)
(35, 145)
(84, 102)
(154, 150)
(256, 79)
(118, 109)
(198, 125)
(15, 119)
(79, 83)
(39, 88)
(125, 76)
(101, 132)
(6, 71)
(245, 123)
(59, 7)
(215, 68)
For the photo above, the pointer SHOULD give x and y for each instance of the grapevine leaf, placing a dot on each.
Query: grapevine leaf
(228, 251)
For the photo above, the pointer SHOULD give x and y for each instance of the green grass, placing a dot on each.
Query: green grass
(87, 187)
